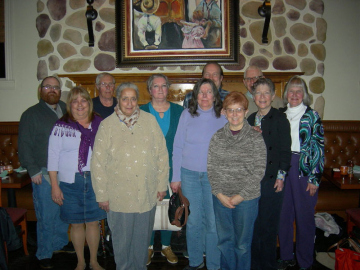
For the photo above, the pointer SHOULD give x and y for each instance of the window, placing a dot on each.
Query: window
(7, 81)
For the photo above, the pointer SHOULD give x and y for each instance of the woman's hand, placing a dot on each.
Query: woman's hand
(312, 189)
(236, 199)
(175, 186)
(161, 195)
(104, 206)
(57, 195)
(257, 128)
(279, 185)
(225, 200)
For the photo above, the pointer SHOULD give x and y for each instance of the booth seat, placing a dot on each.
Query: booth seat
(342, 143)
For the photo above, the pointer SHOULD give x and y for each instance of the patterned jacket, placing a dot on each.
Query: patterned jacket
(311, 134)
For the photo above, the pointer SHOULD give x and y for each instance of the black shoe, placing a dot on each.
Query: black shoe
(283, 265)
(46, 264)
(194, 267)
(69, 248)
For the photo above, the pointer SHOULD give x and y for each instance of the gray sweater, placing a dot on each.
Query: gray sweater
(236, 163)
(35, 127)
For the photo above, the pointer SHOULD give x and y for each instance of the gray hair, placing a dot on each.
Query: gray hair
(296, 81)
(253, 67)
(124, 86)
(264, 81)
(153, 77)
(101, 75)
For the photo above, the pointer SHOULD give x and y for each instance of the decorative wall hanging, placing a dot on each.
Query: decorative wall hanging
(180, 32)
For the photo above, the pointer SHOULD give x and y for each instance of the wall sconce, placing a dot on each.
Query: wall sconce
(265, 11)
(91, 14)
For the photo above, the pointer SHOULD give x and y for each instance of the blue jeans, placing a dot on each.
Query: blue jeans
(51, 230)
(235, 230)
(201, 222)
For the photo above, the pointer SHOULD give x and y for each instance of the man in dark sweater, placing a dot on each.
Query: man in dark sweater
(35, 127)
(105, 103)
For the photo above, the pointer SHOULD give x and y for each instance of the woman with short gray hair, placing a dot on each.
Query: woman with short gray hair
(276, 133)
(167, 115)
(303, 178)
(131, 169)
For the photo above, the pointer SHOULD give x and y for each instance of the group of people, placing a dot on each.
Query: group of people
(247, 173)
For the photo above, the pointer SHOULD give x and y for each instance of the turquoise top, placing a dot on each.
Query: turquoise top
(164, 122)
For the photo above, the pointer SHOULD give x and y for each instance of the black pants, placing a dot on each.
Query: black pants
(263, 249)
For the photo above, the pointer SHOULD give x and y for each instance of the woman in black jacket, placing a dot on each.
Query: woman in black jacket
(275, 129)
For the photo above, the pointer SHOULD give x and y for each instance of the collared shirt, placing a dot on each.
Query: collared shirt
(57, 110)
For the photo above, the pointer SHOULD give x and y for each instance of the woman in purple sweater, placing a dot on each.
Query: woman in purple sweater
(70, 148)
(196, 126)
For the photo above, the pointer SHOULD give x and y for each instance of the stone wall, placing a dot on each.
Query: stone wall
(296, 36)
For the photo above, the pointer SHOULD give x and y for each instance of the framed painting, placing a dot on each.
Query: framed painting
(176, 32)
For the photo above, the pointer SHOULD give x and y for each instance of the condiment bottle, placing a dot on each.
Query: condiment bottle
(350, 169)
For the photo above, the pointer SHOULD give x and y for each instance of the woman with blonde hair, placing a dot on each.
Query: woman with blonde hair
(70, 149)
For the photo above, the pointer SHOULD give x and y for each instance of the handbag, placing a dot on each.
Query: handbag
(162, 222)
(346, 259)
(179, 209)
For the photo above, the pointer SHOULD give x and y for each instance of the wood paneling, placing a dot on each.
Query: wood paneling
(181, 83)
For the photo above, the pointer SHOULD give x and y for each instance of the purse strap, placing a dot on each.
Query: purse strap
(352, 244)
(170, 190)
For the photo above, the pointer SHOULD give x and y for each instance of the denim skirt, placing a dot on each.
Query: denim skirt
(80, 204)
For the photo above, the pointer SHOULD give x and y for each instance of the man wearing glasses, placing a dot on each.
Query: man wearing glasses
(251, 75)
(105, 103)
(35, 127)
(214, 72)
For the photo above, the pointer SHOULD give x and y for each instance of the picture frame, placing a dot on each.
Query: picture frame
(176, 32)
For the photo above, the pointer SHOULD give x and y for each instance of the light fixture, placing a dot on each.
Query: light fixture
(265, 11)
(91, 14)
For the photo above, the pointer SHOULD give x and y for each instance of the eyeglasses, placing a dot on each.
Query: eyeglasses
(51, 87)
(105, 85)
(232, 111)
(253, 79)
(266, 94)
(159, 86)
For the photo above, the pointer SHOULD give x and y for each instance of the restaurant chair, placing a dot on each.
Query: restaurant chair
(353, 218)
(18, 217)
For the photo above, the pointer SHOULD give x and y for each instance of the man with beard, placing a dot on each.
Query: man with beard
(35, 127)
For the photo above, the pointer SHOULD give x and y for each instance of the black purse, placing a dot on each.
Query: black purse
(178, 209)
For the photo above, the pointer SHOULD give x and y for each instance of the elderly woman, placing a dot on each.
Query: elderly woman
(130, 168)
(70, 149)
(303, 180)
(196, 126)
(236, 165)
(276, 133)
(167, 115)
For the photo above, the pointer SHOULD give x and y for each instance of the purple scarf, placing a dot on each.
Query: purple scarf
(86, 140)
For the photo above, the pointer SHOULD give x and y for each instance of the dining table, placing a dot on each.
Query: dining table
(343, 182)
(12, 182)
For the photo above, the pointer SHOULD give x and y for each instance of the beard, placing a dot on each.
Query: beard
(50, 98)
